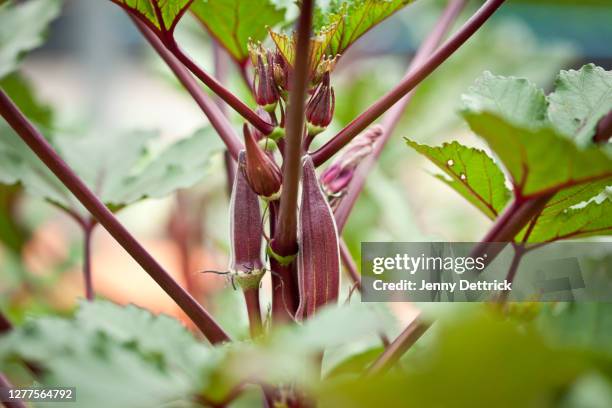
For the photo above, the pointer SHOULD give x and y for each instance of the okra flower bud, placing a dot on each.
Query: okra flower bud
(281, 71)
(266, 94)
(264, 84)
(318, 259)
(262, 172)
(338, 175)
(320, 106)
(246, 232)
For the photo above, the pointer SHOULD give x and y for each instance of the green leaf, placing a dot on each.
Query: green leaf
(353, 18)
(17, 162)
(287, 354)
(518, 102)
(583, 325)
(473, 174)
(21, 93)
(476, 357)
(161, 338)
(119, 176)
(571, 197)
(539, 160)
(594, 218)
(234, 22)
(114, 356)
(22, 28)
(181, 165)
(581, 98)
(150, 12)
(571, 213)
(515, 99)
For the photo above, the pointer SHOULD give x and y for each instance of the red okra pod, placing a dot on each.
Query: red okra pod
(246, 229)
(318, 259)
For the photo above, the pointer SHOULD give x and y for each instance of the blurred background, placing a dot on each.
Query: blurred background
(99, 76)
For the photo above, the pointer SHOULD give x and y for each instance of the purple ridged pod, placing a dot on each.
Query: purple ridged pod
(318, 259)
(246, 229)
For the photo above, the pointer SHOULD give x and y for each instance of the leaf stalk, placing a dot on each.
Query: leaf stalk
(407, 84)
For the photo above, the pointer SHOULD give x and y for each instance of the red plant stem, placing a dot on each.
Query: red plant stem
(251, 297)
(166, 36)
(407, 84)
(244, 73)
(284, 240)
(5, 383)
(105, 217)
(433, 40)
(230, 170)
(285, 299)
(519, 252)
(393, 115)
(180, 228)
(220, 73)
(220, 70)
(516, 216)
(214, 114)
(398, 347)
(223, 93)
(88, 228)
(284, 288)
(349, 264)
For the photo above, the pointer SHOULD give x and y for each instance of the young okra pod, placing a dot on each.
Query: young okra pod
(318, 259)
(246, 235)
(262, 173)
(246, 230)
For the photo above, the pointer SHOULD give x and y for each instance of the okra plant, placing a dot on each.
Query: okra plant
(294, 179)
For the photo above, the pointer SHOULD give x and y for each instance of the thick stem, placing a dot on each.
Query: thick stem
(251, 297)
(349, 264)
(87, 277)
(398, 347)
(284, 289)
(407, 84)
(106, 218)
(214, 114)
(284, 240)
(393, 116)
(285, 297)
(517, 215)
(223, 93)
(5, 383)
